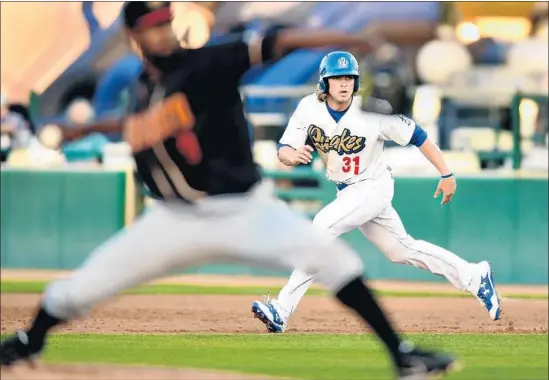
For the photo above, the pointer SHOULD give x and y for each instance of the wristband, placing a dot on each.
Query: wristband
(447, 175)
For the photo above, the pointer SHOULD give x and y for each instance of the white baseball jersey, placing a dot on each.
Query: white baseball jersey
(351, 148)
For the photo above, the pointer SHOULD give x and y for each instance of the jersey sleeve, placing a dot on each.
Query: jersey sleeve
(397, 128)
(295, 134)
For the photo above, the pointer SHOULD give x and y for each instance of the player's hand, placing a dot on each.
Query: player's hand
(446, 186)
(302, 155)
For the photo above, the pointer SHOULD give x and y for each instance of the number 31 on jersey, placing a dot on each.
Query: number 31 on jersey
(351, 164)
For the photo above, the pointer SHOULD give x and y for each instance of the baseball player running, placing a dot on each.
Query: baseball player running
(350, 141)
(191, 147)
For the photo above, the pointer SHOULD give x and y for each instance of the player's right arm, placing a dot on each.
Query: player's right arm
(292, 150)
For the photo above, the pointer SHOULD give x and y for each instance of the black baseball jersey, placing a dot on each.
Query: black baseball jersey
(216, 158)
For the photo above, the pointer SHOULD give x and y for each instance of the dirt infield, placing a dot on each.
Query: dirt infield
(107, 372)
(133, 314)
(208, 314)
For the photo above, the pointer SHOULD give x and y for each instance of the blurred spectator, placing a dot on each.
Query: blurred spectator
(539, 16)
(14, 125)
(487, 51)
(80, 112)
(23, 111)
(385, 70)
(114, 84)
(88, 149)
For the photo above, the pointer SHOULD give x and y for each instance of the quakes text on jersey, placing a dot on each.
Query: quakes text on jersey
(350, 142)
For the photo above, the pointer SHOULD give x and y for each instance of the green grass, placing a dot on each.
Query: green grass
(13, 286)
(314, 356)
(301, 356)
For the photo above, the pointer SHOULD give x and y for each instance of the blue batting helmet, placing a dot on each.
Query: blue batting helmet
(338, 63)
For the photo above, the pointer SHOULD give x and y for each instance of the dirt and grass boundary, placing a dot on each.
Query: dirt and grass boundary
(29, 281)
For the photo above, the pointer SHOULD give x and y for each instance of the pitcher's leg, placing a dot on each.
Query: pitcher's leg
(299, 282)
(150, 248)
(293, 240)
(388, 234)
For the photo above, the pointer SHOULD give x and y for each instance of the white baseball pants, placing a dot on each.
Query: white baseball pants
(367, 206)
(254, 228)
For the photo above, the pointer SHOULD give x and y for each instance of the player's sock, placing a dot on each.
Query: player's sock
(358, 297)
(42, 324)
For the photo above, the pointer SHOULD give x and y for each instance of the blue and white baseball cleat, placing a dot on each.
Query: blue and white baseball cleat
(267, 313)
(486, 293)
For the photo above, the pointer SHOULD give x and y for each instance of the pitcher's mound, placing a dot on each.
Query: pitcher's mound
(110, 372)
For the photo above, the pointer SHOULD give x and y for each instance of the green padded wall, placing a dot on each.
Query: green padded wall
(503, 220)
(54, 219)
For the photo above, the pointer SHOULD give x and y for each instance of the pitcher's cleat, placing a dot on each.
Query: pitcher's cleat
(421, 365)
(17, 349)
(487, 293)
(267, 313)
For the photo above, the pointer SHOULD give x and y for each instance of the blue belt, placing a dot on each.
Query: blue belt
(342, 186)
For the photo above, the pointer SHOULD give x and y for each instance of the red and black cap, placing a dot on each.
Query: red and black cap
(145, 14)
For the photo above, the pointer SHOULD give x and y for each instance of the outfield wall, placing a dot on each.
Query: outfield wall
(52, 220)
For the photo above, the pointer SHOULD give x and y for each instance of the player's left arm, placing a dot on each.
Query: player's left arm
(447, 184)
(405, 131)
